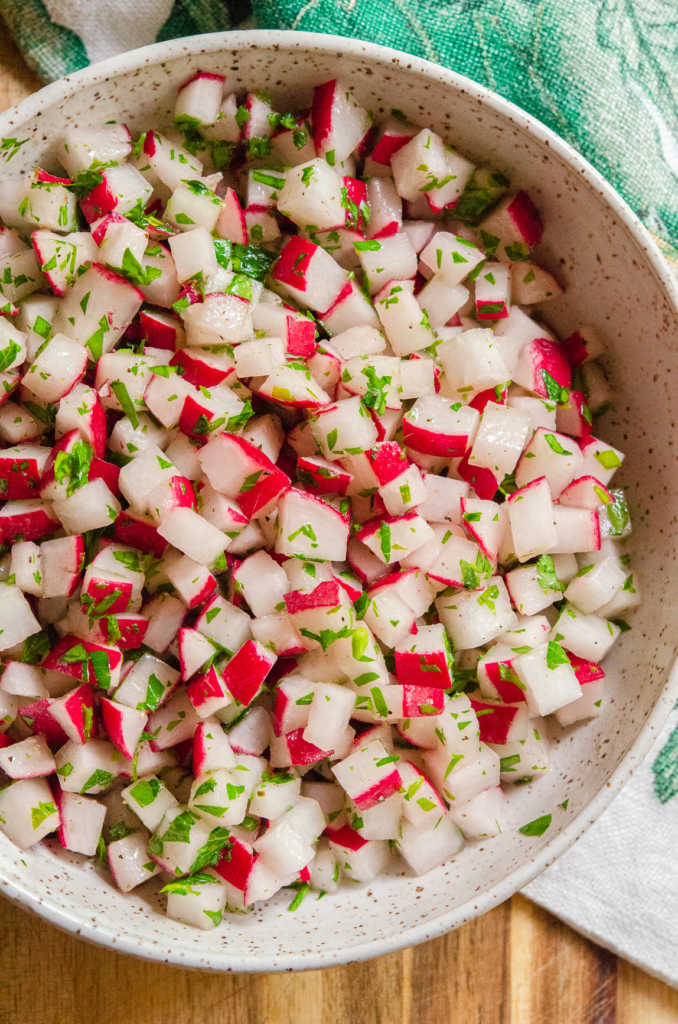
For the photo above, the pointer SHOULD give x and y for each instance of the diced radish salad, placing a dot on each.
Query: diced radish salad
(306, 522)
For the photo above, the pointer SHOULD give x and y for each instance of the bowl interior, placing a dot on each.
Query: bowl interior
(600, 256)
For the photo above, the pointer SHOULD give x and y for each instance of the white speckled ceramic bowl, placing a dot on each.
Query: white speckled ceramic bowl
(615, 278)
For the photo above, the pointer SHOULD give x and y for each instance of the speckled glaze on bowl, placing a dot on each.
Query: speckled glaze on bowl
(616, 279)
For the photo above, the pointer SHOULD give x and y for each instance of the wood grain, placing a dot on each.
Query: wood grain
(515, 965)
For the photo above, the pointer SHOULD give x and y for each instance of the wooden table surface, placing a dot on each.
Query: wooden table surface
(515, 965)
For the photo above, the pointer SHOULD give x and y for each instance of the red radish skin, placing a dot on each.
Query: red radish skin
(494, 720)
(482, 480)
(100, 201)
(325, 595)
(113, 718)
(322, 477)
(350, 589)
(19, 476)
(39, 720)
(526, 218)
(548, 356)
(197, 369)
(387, 461)
(429, 670)
(585, 671)
(81, 670)
(430, 442)
(110, 596)
(29, 524)
(139, 533)
(159, 329)
(346, 837)
(576, 349)
(508, 688)
(419, 701)
(480, 400)
(236, 862)
(101, 227)
(244, 674)
(302, 752)
(132, 629)
(75, 707)
(232, 224)
(209, 75)
(321, 113)
(386, 787)
(301, 339)
(387, 145)
(291, 266)
(205, 687)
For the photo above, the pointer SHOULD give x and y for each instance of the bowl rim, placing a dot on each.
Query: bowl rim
(196, 46)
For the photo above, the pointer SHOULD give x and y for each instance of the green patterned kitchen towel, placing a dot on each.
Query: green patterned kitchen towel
(602, 73)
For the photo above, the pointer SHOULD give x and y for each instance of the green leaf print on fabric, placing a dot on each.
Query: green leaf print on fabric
(190, 17)
(49, 49)
(665, 769)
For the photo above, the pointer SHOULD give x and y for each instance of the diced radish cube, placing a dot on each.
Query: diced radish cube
(30, 519)
(240, 470)
(589, 705)
(27, 812)
(587, 636)
(199, 98)
(361, 859)
(534, 587)
(368, 775)
(27, 759)
(174, 722)
(17, 621)
(59, 366)
(193, 582)
(147, 684)
(530, 511)
(78, 147)
(425, 659)
(329, 716)
(435, 426)
(478, 616)
(531, 283)
(123, 724)
(541, 367)
(308, 274)
(201, 904)
(405, 323)
(177, 840)
(339, 122)
(481, 817)
(193, 535)
(75, 714)
(129, 861)
(499, 722)
(89, 767)
(311, 193)
(512, 228)
(577, 529)
(211, 747)
(246, 671)
(310, 527)
(548, 678)
(81, 821)
(425, 166)
(426, 848)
